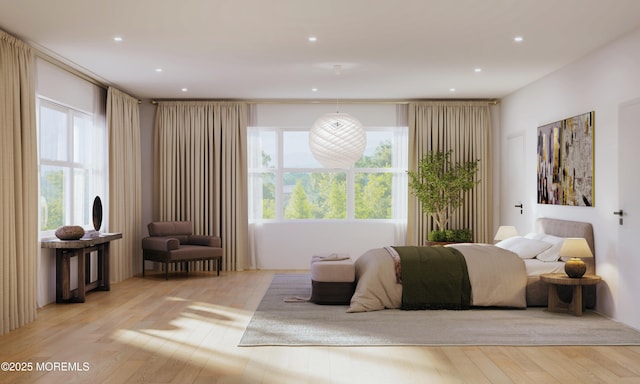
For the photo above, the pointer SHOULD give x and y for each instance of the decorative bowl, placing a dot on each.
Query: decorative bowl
(70, 232)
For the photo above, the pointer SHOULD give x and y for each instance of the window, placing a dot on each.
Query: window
(72, 165)
(287, 183)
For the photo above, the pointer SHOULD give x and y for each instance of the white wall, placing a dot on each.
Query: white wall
(291, 245)
(599, 82)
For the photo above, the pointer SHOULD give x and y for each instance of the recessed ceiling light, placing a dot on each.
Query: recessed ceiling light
(314, 89)
(452, 89)
(117, 39)
(477, 70)
(184, 89)
(518, 39)
(158, 69)
(312, 39)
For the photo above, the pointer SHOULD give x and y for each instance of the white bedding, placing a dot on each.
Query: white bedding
(498, 278)
(537, 267)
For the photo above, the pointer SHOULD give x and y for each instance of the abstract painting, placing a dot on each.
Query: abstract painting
(565, 161)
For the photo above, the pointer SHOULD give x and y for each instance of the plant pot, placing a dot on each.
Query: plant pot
(441, 243)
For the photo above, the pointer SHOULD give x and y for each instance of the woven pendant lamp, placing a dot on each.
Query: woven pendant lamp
(337, 140)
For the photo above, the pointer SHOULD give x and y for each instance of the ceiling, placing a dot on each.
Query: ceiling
(259, 49)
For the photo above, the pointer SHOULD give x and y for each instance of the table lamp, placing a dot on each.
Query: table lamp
(576, 249)
(505, 232)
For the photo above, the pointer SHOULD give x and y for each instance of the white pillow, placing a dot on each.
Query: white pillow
(535, 236)
(524, 247)
(552, 253)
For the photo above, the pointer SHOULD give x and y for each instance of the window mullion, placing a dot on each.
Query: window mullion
(279, 175)
(70, 193)
(351, 194)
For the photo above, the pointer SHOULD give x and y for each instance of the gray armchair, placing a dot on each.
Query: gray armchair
(174, 242)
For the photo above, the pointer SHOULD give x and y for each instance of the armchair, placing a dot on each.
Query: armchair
(174, 242)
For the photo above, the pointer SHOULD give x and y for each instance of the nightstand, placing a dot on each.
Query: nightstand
(555, 279)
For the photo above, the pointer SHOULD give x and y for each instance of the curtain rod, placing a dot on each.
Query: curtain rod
(327, 101)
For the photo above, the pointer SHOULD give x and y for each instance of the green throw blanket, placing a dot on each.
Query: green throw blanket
(434, 278)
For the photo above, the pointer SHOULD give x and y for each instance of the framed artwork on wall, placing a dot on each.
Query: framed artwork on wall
(565, 161)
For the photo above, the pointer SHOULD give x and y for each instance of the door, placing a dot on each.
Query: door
(628, 257)
(513, 186)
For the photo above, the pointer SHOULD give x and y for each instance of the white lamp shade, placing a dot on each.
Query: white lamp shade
(337, 140)
(505, 232)
(575, 247)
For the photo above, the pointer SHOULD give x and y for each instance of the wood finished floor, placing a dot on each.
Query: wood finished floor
(186, 330)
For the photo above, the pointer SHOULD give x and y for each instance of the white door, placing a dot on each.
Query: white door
(629, 190)
(513, 185)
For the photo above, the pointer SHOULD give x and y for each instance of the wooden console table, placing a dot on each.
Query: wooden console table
(555, 279)
(65, 250)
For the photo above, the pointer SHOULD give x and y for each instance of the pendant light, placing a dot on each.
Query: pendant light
(337, 140)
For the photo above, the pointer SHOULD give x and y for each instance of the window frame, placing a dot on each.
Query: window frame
(278, 170)
(95, 170)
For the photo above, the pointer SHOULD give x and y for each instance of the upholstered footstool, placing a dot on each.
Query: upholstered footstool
(333, 279)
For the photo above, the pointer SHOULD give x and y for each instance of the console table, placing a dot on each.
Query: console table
(65, 250)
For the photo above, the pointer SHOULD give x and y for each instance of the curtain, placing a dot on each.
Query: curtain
(19, 187)
(465, 128)
(200, 173)
(124, 203)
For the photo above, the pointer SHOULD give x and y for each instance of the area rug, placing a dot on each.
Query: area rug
(280, 323)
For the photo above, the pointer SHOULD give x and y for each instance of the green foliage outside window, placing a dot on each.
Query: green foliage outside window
(298, 207)
(323, 195)
(373, 196)
(51, 199)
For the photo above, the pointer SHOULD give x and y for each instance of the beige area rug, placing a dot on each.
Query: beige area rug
(277, 322)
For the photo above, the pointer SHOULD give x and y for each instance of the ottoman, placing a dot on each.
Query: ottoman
(333, 279)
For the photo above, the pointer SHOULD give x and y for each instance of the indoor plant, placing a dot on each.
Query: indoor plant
(439, 184)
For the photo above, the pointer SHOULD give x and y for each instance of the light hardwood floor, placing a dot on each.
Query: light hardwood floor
(186, 330)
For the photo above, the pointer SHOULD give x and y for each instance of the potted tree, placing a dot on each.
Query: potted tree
(439, 185)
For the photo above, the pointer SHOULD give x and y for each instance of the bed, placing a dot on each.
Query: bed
(506, 274)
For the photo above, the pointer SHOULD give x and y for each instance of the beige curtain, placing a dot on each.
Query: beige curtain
(200, 172)
(465, 128)
(19, 187)
(123, 127)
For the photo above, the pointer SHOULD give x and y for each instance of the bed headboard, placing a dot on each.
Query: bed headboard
(566, 228)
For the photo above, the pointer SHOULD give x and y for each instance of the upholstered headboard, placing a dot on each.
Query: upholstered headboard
(566, 228)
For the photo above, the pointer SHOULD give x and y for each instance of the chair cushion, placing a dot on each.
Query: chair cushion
(158, 243)
(170, 228)
(194, 252)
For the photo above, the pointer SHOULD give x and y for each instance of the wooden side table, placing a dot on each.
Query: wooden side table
(65, 250)
(554, 302)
